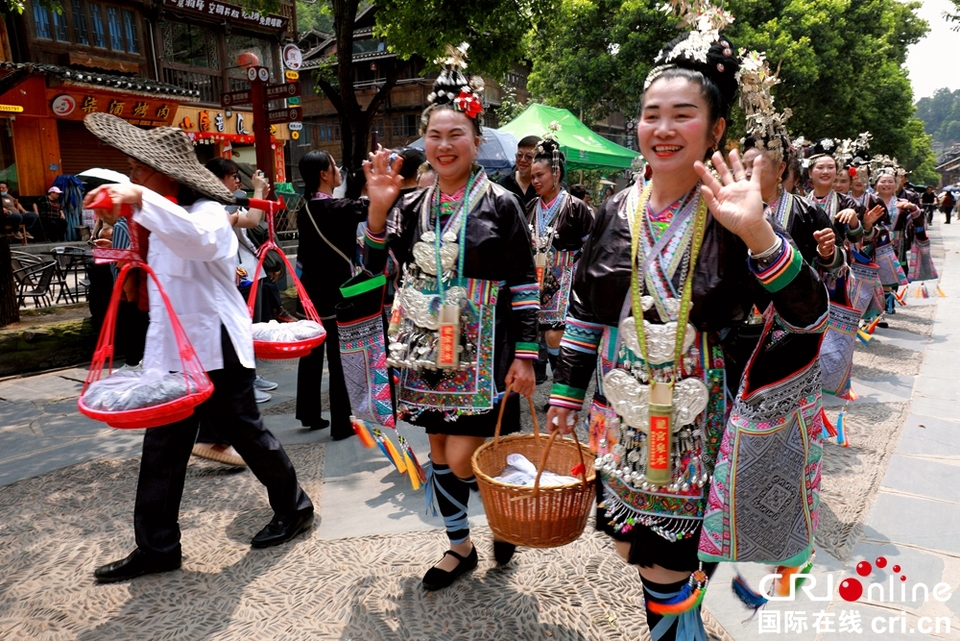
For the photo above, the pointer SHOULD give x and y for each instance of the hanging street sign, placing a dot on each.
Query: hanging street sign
(285, 90)
(278, 116)
(235, 98)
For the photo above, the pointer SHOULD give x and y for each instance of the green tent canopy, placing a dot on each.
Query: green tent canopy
(583, 148)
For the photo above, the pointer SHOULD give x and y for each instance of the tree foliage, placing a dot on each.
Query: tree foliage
(953, 16)
(940, 114)
(592, 55)
(314, 15)
(841, 63)
(496, 31)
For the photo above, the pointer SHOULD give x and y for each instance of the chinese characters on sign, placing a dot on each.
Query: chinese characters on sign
(230, 12)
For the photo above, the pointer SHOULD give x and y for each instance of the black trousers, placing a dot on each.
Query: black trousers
(98, 294)
(310, 378)
(132, 325)
(166, 450)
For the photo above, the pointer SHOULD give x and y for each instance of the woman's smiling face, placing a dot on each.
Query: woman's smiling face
(451, 144)
(674, 129)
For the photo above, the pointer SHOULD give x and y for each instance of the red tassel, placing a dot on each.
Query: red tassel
(873, 326)
(828, 429)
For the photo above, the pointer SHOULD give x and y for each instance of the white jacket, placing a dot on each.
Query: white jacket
(193, 251)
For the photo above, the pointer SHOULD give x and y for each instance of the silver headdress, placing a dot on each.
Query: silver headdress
(764, 122)
(453, 88)
(548, 147)
(705, 21)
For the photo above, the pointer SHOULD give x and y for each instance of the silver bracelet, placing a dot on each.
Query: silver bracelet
(769, 252)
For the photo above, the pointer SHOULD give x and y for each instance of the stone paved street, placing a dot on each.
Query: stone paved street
(66, 506)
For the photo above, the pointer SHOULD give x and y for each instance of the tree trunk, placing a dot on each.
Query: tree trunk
(9, 310)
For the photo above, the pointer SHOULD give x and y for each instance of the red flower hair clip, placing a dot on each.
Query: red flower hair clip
(468, 104)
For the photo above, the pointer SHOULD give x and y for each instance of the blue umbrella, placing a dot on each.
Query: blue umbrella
(496, 153)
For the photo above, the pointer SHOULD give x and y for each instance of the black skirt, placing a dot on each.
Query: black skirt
(473, 425)
(648, 548)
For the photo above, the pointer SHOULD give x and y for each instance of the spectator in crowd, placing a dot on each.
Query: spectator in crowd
(947, 202)
(53, 222)
(518, 182)
(426, 176)
(15, 215)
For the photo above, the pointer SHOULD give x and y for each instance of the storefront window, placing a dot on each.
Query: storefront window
(130, 25)
(60, 27)
(190, 45)
(41, 19)
(80, 22)
(116, 35)
(96, 17)
(8, 165)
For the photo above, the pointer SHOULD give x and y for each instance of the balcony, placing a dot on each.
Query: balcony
(208, 83)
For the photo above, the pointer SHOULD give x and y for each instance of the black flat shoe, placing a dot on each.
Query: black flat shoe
(322, 424)
(437, 579)
(282, 529)
(134, 565)
(503, 551)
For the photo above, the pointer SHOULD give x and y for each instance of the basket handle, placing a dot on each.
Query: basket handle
(503, 406)
(309, 310)
(543, 463)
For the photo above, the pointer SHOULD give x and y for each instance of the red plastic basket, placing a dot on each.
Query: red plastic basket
(275, 350)
(154, 415)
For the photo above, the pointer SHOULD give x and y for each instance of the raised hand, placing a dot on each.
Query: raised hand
(383, 186)
(736, 202)
(848, 217)
(826, 243)
(872, 217)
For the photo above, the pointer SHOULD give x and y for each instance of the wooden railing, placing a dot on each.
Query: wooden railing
(208, 83)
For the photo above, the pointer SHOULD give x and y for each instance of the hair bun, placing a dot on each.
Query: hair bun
(716, 60)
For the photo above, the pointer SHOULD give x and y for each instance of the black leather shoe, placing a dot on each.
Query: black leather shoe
(136, 564)
(437, 579)
(323, 424)
(281, 529)
(503, 551)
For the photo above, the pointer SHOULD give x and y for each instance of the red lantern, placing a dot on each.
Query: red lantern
(247, 59)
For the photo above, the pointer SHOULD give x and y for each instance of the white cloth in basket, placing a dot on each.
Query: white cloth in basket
(275, 332)
(520, 471)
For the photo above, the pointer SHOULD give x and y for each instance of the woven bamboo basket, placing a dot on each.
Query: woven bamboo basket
(536, 517)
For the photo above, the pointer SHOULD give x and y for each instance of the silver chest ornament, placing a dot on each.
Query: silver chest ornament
(424, 252)
(629, 397)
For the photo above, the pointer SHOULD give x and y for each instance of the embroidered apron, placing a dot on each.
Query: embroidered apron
(764, 500)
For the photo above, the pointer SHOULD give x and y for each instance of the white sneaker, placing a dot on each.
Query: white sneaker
(261, 396)
(263, 384)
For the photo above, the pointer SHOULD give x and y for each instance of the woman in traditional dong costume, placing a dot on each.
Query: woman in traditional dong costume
(884, 244)
(461, 339)
(692, 275)
(839, 208)
(559, 223)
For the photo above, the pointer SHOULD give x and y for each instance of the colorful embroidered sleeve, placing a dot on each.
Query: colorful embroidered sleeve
(583, 338)
(526, 298)
(778, 272)
(566, 396)
(834, 263)
(854, 234)
(376, 241)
